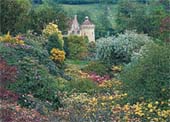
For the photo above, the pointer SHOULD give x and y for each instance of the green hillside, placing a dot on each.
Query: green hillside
(95, 11)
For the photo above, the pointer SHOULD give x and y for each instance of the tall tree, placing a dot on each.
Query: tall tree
(10, 13)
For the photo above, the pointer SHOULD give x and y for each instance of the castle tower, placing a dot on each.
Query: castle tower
(88, 29)
(75, 28)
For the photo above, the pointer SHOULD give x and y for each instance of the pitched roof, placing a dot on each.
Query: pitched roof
(87, 21)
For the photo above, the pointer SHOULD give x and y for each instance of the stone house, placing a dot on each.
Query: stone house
(87, 28)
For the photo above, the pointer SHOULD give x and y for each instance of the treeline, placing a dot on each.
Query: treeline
(100, 1)
(85, 1)
(19, 16)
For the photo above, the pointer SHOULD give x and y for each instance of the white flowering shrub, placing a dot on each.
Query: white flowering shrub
(120, 49)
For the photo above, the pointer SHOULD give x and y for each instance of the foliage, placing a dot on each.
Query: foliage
(91, 51)
(12, 112)
(55, 37)
(11, 12)
(85, 1)
(148, 77)
(54, 42)
(13, 40)
(57, 55)
(51, 29)
(165, 29)
(21, 16)
(34, 47)
(97, 67)
(43, 14)
(81, 15)
(77, 47)
(34, 68)
(8, 74)
(120, 49)
(104, 25)
(129, 17)
(80, 85)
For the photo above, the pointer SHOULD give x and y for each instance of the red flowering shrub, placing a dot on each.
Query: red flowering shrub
(12, 112)
(165, 28)
(7, 75)
(97, 78)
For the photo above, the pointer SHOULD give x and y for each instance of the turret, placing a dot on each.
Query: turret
(74, 27)
(88, 29)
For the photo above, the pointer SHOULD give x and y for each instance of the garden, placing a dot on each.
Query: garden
(46, 76)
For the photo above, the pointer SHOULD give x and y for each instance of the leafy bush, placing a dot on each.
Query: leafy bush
(91, 51)
(96, 67)
(54, 42)
(34, 68)
(34, 79)
(77, 47)
(120, 49)
(81, 85)
(148, 77)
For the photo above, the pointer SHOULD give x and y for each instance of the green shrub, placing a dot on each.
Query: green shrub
(77, 47)
(54, 42)
(35, 70)
(54, 35)
(149, 76)
(34, 79)
(97, 67)
(91, 51)
(80, 85)
(120, 49)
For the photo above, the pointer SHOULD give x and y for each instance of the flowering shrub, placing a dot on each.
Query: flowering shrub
(106, 106)
(51, 29)
(13, 40)
(120, 49)
(165, 28)
(94, 107)
(116, 68)
(7, 74)
(97, 78)
(35, 71)
(55, 37)
(12, 112)
(144, 111)
(57, 55)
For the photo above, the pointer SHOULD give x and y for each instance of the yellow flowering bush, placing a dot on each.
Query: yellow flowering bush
(13, 40)
(57, 55)
(52, 28)
(103, 106)
(55, 37)
(116, 68)
(110, 83)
